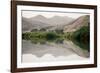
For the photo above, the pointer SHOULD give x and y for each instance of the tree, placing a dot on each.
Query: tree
(59, 31)
(42, 29)
(34, 30)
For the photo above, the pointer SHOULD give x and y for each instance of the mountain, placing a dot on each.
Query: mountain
(60, 20)
(53, 21)
(39, 21)
(77, 24)
(57, 22)
(28, 25)
(38, 17)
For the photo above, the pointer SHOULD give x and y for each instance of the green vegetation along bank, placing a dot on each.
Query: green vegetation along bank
(79, 37)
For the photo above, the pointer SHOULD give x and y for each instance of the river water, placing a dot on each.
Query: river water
(50, 51)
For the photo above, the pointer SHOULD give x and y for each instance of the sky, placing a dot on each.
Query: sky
(49, 14)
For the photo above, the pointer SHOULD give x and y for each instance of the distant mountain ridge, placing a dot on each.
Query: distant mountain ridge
(65, 23)
(55, 20)
(40, 21)
(28, 25)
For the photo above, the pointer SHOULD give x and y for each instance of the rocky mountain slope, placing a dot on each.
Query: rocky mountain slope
(77, 24)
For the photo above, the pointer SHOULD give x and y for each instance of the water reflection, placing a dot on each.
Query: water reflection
(56, 47)
(42, 41)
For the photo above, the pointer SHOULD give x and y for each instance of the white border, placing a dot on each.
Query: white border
(19, 39)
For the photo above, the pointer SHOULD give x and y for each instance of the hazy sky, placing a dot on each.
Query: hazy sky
(29, 14)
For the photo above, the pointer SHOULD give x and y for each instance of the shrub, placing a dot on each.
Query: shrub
(51, 35)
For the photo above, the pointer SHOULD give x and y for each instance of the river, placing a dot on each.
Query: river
(50, 51)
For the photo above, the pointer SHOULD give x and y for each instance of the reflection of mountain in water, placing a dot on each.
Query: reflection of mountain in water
(56, 49)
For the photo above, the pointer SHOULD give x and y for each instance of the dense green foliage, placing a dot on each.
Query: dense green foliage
(40, 35)
(81, 37)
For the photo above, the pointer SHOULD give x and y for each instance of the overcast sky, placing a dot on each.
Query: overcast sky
(29, 14)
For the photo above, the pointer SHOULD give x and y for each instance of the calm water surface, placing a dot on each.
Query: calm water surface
(65, 49)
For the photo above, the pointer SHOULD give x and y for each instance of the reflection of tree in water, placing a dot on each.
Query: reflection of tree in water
(44, 41)
(81, 38)
(59, 41)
